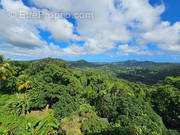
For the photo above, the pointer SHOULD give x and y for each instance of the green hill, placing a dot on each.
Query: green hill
(146, 72)
(47, 97)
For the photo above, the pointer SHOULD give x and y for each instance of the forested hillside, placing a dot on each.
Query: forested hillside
(146, 72)
(48, 97)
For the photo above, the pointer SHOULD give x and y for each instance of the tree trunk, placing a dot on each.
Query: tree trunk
(47, 107)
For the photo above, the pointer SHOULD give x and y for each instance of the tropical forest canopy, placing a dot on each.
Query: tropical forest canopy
(56, 97)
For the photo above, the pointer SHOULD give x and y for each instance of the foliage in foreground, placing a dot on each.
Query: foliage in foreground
(77, 102)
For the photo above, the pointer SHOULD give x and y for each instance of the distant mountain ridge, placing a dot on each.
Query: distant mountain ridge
(129, 63)
(146, 72)
(84, 63)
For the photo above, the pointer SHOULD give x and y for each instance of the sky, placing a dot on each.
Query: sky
(93, 30)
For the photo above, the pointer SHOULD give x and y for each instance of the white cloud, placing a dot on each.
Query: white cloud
(111, 21)
(140, 14)
(54, 4)
(163, 33)
(74, 50)
(24, 33)
(45, 51)
(60, 29)
(12, 5)
(18, 32)
(166, 36)
(124, 22)
(124, 50)
(97, 46)
(175, 48)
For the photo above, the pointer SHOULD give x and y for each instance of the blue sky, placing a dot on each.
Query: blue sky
(117, 30)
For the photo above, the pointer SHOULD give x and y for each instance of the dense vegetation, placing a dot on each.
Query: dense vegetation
(145, 72)
(46, 97)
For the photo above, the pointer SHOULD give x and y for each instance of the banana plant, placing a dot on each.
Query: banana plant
(47, 126)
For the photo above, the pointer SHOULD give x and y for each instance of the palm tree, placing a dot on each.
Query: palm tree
(23, 82)
(4, 70)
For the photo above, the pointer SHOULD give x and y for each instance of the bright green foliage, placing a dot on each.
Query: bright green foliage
(5, 71)
(37, 66)
(91, 123)
(173, 81)
(18, 105)
(133, 111)
(85, 120)
(49, 84)
(23, 82)
(49, 125)
(165, 100)
(65, 106)
(20, 125)
(13, 123)
(55, 99)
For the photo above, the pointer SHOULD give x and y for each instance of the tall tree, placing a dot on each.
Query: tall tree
(5, 70)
